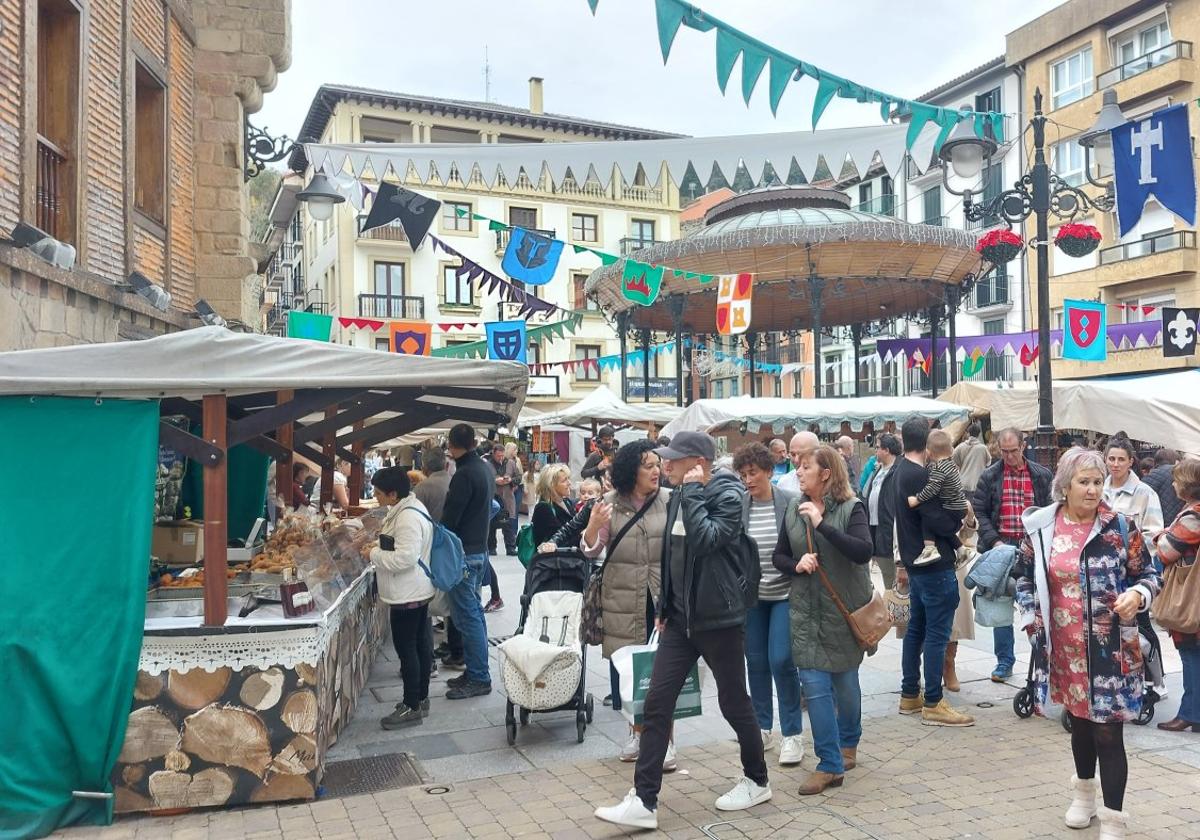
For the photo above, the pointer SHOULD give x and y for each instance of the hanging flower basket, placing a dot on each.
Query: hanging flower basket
(1077, 240)
(999, 246)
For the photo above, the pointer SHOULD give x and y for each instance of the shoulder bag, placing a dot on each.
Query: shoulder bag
(591, 616)
(870, 622)
(1177, 605)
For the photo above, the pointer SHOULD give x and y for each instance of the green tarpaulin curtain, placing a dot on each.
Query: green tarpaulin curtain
(76, 510)
(312, 325)
(247, 488)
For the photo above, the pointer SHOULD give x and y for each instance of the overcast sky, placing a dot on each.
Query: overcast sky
(609, 67)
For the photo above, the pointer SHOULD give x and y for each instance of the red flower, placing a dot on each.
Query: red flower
(999, 236)
(1076, 230)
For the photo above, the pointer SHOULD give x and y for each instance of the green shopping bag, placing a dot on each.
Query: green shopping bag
(526, 550)
(635, 664)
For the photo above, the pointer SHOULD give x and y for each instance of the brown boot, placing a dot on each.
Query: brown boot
(949, 677)
(817, 782)
(849, 757)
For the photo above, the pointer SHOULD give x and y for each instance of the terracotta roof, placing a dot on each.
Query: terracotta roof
(695, 211)
(328, 96)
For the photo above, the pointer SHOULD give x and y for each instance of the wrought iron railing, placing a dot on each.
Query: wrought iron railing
(391, 306)
(629, 244)
(1135, 67)
(502, 236)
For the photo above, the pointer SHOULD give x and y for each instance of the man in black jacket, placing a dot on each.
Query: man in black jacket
(600, 461)
(1005, 490)
(1161, 481)
(467, 514)
(701, 612)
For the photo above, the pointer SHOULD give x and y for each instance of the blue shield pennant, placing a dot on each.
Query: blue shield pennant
(506, 341)
(1085, 331)
(530, 257)
(1153, 157)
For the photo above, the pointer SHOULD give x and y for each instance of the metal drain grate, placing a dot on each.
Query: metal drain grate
(496, 641)
(371, 774)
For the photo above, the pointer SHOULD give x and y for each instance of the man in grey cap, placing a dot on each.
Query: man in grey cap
(701, 612)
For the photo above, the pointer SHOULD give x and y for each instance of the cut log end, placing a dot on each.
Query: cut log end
(228, 735)
(263, 690)
(196, 688)
(300, 712)
(148, 734)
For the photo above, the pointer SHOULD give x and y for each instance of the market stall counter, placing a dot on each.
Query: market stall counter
(225, 683)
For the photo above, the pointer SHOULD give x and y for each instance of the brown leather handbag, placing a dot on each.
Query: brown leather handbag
(870, 622)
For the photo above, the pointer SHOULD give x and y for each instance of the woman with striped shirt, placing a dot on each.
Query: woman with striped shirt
(768, 632)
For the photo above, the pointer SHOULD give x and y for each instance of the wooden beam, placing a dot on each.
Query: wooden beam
(283, 464)
(372, 405)
(268, 446)
(305, 402)
(216, 514)
(357, 473)
(178, 405)
(328, 446)
(315, 455)
(425, 414)
(198, 449)
(472, 394)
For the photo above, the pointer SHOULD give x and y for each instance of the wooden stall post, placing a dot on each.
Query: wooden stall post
(329, 449)
(357, 471)
(283, 466)
(216, 513)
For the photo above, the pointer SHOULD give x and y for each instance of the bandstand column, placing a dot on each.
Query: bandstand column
(952, 298)
(622, 337)
(856, 340)
(934, 312)
(817, 286)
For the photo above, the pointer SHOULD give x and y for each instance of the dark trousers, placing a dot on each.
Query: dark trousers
(508, 524)
(725, 653)
(938, 524)
(412, 636)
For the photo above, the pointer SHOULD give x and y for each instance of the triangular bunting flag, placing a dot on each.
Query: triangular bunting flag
(640, 282)
(415, 212)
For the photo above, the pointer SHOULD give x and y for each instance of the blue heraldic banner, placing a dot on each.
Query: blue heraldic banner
(1085, 331)
(506, 341)
(1153, 157)
(530, 257)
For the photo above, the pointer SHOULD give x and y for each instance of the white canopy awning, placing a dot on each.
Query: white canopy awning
(1159, 408)
(728, 415)
(603, 406)
(600, 160)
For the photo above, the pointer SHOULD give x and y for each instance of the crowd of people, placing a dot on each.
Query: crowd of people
(758, 563)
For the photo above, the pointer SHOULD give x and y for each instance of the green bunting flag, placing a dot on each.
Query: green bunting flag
(671, 14)
(479, 349)
(310, 325)
(971, 365)
(641, 281)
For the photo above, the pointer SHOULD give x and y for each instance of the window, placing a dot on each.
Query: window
(1132, 308)
(57, 123)
(639, 367)
(525, 217)
(587, 373)
(864, 193)
(456, 216)
(584, 227)
(389, 279)
(149, 144)
(931, 204)
(534, 353)
(384, 344)
(1071, 78)
(989, 101)
(1143, 48)
(581, 300)
(456, 289)
(995, 366)
(643, 231)
(1068, 162)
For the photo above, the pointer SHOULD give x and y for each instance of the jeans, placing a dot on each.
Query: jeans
(677, 653)
(769, 654)
(467, 613)
(1189, 703)
(412, 636)
(834, 715)
(1003, 643)
(934, 598)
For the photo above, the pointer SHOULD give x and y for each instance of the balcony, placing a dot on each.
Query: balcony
(1172, 52)
(1155, 245)
(991, 293)
(884, 205)
(502, 237)
(51, 188)
(391, 232)
(629, 244)
(995, 369)
(642, 194)
(1159, 256)
(391, 306)
(588, 189)
(661, 387)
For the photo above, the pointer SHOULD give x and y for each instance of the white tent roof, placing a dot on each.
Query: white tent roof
(603, 406)
(718, 416)
(211, 360)
(1158, 408)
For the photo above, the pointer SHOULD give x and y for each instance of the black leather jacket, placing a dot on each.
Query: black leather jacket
(569, 535)
(706, 556)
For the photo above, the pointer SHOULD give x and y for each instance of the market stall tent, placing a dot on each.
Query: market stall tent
(1161, 408)
(603, 406)
(725, 416)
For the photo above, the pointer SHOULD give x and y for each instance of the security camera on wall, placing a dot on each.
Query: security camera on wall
(158, 297)
(44, 245)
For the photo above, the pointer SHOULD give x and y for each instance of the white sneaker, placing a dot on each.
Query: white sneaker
(632, 748)
(629, 812)
(670, 765)
(930, 554)
(768, 743)
(791, 751)
(745, 794)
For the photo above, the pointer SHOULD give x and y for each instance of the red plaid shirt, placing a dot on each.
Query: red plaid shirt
(1016, 494)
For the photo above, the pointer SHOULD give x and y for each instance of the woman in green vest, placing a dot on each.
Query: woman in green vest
(825, 542)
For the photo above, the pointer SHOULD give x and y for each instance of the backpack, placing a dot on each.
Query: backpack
(447, 561)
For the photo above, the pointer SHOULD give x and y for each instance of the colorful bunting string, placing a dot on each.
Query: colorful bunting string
(530, 304)
(361, 323)
(783, 69)
(478, 349)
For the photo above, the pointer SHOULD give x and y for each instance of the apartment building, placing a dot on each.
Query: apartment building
(1144, 52)
(377, 274)
(121, 136)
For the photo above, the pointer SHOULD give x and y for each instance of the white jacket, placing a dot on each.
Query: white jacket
(401, 580)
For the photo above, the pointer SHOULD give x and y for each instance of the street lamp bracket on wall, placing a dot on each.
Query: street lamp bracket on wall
(261, 148)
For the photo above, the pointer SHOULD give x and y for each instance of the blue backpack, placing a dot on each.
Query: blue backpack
(447, 564)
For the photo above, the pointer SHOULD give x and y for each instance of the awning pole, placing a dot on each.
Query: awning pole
(216, 514)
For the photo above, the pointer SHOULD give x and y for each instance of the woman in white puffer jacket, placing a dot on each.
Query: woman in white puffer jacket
(405, 541)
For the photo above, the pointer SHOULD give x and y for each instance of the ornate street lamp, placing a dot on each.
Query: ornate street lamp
(321, 195)
(1039, 193)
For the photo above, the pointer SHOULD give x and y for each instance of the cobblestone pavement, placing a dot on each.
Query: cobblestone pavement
(1003, 779)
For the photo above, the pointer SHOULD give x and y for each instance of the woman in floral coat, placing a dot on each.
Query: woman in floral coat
(1083, 575)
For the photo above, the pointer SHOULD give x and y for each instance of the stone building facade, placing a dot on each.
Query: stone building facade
(121, 134)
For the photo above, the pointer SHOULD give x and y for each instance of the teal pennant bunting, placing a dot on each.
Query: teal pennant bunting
(729, 47)
(779, 74)
(827, 87)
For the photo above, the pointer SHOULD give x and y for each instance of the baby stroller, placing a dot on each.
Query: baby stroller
(545, 663)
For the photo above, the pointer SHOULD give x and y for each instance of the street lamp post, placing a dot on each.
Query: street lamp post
(1039, 193)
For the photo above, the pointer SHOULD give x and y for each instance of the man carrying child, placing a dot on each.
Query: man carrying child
(943, 496)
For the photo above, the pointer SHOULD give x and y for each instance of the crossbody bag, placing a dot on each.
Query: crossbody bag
(591, 617)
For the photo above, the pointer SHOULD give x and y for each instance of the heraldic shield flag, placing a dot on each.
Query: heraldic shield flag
(530, 257)
(1153, 157)
(506, 341)
(412, 338)
(733, 303)
(1179, 330)
(1085, 331)
(640, 282)
(414, 211)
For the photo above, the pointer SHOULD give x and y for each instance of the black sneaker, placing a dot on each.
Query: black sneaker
(425, 708)
(403, 716)
(441, 651)
(454, 664)
(469, 689)
(458, 682)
